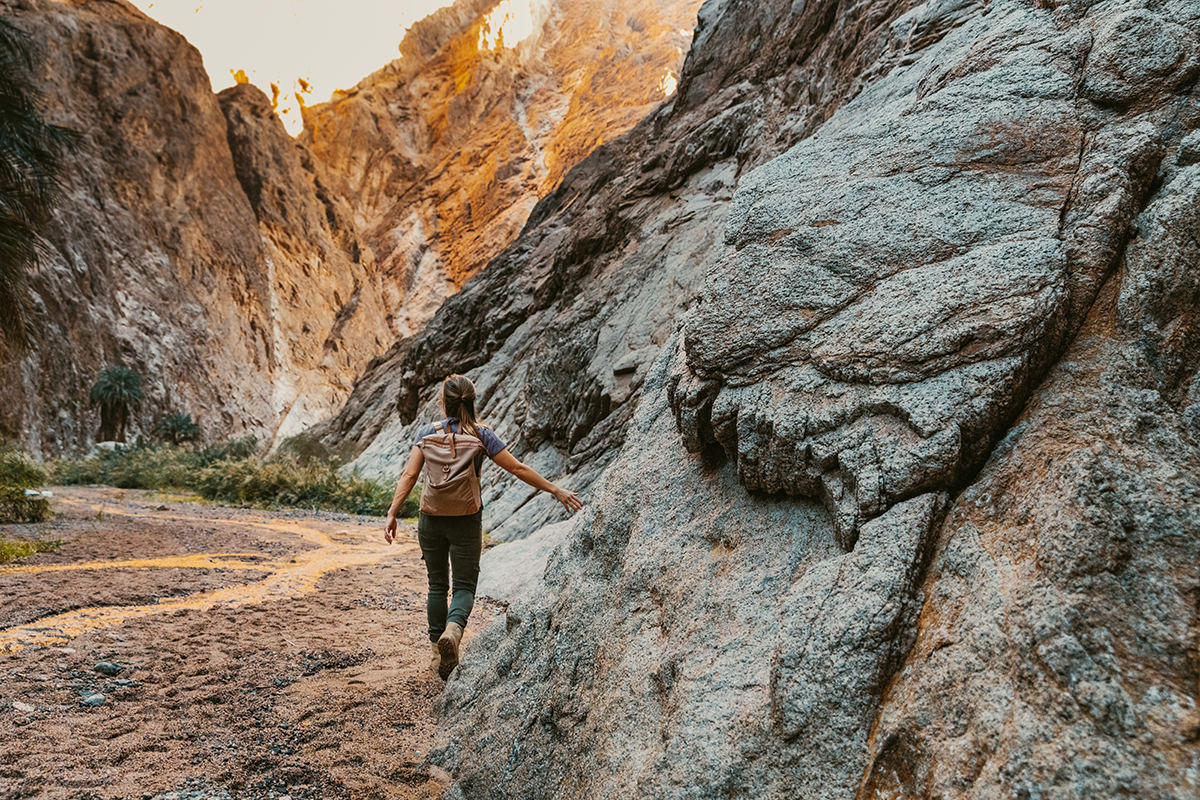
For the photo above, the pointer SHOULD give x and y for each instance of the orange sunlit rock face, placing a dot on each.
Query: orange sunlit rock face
(443, 154)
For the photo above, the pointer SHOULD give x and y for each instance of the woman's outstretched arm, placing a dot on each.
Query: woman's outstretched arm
(570, 500)
(408, 479)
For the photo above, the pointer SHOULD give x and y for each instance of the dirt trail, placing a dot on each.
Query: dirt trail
(263, 654)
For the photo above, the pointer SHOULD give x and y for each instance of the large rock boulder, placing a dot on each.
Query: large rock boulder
(1058, 654)
(870, 341)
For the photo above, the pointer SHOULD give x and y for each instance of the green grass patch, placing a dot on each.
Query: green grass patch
(301, 474)
(12, 550)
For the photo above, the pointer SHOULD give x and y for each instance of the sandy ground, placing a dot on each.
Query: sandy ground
(262, 654)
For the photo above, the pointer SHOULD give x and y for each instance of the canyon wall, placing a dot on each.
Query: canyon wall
(442, 154)
(250, 278)
(874, 352)
(192, 249)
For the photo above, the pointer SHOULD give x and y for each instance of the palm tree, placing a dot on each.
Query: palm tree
(118, 393)
(30, 177)
(177, 428)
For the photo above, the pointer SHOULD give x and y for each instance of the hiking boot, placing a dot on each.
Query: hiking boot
(436, 660)
(448, 648)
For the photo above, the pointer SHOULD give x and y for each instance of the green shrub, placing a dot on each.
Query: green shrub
(77, 471)
(177, 428)
(18, 473)
(234, 449)
(307, 449)
(285, 481)
(10, 551)
(17, 470)
(300, 475)
(152, 468)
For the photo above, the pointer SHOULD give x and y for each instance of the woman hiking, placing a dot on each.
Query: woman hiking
(449, 528)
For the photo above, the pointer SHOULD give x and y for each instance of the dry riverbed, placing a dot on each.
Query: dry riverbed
(255, 654)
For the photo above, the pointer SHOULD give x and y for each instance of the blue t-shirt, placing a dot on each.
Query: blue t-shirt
(492, 443)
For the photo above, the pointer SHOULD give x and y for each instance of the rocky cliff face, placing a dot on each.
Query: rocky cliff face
(907, 499)
(194, 250)
(235, 268)
(442, 154)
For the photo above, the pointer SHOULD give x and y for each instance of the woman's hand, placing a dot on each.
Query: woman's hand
(389, 533)
(508, 461)
(570, 500)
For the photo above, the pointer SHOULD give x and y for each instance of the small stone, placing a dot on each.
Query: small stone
(93, 700)
(24, 708)
(109, 668)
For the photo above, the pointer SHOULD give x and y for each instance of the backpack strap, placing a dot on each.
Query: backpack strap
(437, 426)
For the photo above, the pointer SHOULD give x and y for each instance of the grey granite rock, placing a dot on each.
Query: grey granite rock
(896, 284)
(1057, 651)
(677, 645)
(905, 264)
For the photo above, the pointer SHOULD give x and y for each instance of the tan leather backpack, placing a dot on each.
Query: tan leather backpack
(451, 486)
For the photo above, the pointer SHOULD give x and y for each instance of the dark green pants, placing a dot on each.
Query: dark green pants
(450, 546)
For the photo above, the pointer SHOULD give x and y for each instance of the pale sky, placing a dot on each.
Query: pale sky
(332, 44)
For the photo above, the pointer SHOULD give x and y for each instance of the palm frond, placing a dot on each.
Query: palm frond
(18, 253)
(117, 388)
(31, 176)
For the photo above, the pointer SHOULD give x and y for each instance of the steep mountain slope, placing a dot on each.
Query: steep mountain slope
(442, 154)
(810, 570)
(235, 268)
(244, 311)
(563, 325)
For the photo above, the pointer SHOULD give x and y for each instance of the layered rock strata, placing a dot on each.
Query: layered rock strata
(811, 570)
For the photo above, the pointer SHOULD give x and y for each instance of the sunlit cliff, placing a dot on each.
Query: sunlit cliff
(249, 277)
(442, 154)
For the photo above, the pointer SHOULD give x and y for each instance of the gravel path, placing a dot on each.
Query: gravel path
(242, 653)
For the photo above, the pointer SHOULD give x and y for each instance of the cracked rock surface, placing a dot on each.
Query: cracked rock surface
(897, 283)
(936, 534)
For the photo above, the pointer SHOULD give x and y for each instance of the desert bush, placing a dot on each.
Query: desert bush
(285, 481)
(176, 428)
(232, 450)
(18, 473)
(234, 473)
(307, 449)
(152, 468)
(149, 466)
(12, 550)
(77, 471)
